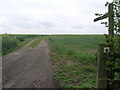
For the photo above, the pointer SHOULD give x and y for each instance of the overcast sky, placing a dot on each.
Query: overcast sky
(51, 16)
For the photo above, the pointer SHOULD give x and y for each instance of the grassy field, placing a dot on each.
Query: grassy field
(74, 59)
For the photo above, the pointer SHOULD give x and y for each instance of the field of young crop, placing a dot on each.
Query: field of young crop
(75, 59)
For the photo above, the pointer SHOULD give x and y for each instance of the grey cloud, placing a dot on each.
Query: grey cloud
(44, 16)
(48, 24)
(77, 27)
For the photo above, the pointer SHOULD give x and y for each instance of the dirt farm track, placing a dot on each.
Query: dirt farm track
(28, 68)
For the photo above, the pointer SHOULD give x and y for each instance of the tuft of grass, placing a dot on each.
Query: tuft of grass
(76, 75)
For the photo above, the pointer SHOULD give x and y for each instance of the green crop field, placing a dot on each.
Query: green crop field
(75, 58)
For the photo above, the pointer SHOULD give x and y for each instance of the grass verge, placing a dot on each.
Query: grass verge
(35, 43)
(72, 73)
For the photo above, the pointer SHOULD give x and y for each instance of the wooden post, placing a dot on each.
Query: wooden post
(111, 32)
(102, 74)
(111, 19)
(110, 16)
(101, 69)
